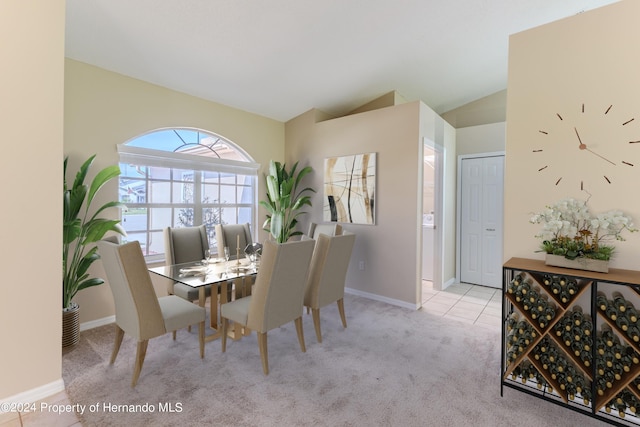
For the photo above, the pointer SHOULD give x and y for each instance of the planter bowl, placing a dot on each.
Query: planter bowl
(578, 263)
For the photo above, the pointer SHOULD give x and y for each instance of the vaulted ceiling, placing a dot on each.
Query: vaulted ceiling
(280, 58)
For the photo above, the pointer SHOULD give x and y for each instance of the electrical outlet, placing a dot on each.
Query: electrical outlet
(361, 265)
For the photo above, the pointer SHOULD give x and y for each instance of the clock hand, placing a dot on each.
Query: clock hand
(583, 146)
(593, 152)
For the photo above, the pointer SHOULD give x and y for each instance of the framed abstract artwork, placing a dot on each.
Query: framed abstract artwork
(350, 189)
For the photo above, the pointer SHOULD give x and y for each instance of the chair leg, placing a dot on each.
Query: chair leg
(141, 352)
(223, 339)
(341, 310)
(262, 343)
(201, 338)
(116, 344)
(300, 332)
(316, 323)
(174, 335)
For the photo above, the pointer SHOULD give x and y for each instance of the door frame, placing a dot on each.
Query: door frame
(462, 157)
(438, 194)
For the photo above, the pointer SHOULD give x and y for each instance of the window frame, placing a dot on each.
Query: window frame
(200, 165)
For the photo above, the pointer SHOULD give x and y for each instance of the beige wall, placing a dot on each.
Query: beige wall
(489, 109)
(31, 107)
(588, 58)
(389, 249)
(481, 138)
(103, 109)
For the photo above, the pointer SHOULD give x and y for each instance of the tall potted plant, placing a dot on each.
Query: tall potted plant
(82, 227)
(284, 201)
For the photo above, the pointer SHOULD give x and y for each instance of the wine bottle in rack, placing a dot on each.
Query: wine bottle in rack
(608, 359)
(547, 279)
(609, 337)
(587, 326)
(562, 280)
(632, 313)
(516, 372)
(609, 378)
(586, 394)
(576, 348)
(567, 338)
(564, 296)
(586, 357)
(572, 287)
(617, 351)
(571, 391)
(541, 382)
(601, 344)
(618, 371)
(558, 328)
(623, 322)
(632, 355)
(549, 312)
(619, 302)
(513, 319)
(634, 333)
(525, 286)
(555, 287)
(577, 315)
(518, 278)
(611, 311)
(601, 301)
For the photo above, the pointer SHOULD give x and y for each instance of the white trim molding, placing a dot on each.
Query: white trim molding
(34, 395)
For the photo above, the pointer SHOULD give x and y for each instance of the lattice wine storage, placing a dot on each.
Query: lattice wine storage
(573, 337)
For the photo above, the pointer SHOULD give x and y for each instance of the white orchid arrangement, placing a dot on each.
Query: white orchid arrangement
(570, 230)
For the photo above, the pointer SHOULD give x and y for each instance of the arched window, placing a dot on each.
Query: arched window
(183, 177)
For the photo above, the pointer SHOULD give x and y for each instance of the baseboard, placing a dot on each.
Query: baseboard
(35, 394)
(98, 322)
(448, 283)
(376, 297)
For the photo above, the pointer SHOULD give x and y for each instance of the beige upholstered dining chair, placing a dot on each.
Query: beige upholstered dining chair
(227, 235)
(139, 312)
(277, 296)
(330, 229)
(326, 282)
(185, 244)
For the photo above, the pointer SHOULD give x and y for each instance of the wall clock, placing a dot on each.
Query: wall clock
(587, 147)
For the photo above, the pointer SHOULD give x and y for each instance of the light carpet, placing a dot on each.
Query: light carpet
(390, 367)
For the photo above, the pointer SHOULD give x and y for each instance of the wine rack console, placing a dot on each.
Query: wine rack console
(573, 337)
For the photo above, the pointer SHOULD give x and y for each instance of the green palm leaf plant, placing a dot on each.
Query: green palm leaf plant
(284, 201)
(81, 228)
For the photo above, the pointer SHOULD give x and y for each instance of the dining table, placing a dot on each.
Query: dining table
(218, 273)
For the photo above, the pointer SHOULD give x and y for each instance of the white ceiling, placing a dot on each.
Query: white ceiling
(280, 58)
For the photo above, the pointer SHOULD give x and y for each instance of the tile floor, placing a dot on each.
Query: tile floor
(478, 305)
(42, 419)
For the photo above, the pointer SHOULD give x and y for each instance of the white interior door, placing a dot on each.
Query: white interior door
(481, 207)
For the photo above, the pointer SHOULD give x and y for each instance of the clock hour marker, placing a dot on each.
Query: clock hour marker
(608, 180)
(581, 185)
(634, 142)
(607, 112)
(537, 151)
(627, 163)
(545, 132)
(543, 168)
(628, 121)
(583, 108)
(559, 116)
(558, 181)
